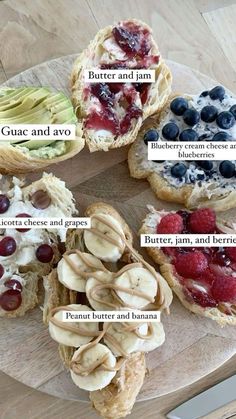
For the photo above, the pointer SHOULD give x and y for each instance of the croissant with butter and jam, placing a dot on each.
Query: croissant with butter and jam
(112, 113)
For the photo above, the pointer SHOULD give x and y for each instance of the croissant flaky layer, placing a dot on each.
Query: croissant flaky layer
(30, 273)
(34, 105)
(117, 399)
(15, 161)
(95, 56)
(168, 271)
(213, 193)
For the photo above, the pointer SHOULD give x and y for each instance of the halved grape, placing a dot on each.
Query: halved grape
(10, 300)
(44, 253)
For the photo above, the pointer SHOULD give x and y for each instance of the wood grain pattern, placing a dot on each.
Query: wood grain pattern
(3, 77)
(194, 346)
(209, 5)
(174, 33)
(18, 400)
(224, 33)
(35, 31)
(27, 27)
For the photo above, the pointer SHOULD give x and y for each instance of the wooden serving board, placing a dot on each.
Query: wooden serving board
(194, 346)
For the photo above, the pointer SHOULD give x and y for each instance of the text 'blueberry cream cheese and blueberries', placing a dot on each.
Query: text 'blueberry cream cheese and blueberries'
(200, 151)
(112, 113)
(101, 271)
(209, 117)
(27, 254)
(36, 107)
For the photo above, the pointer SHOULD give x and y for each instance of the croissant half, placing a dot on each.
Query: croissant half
(112, 114)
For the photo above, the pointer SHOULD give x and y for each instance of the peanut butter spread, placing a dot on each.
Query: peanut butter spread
(93, 271)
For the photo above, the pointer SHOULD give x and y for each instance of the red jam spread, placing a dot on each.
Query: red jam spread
(135, 41)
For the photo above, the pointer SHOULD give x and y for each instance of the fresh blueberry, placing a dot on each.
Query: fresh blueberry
(221, 136)
(179, 105)
(209, 113)
(188, 135)
(225, 120)
(227, 169)
(204, 94)
(191, 117)
(217, 92)
(178, 170)
(233, 110)
(170, 131)
(205, 165)
(158, 161)
(150, 135)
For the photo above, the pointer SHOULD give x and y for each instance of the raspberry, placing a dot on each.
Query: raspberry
(170, 224)
(224, 289)
(207, 278)
(231, 253)
(202, 221)
(199, 297)
(191, 265)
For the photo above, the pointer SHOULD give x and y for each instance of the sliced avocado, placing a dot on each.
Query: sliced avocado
(13, 100)
(63, 115)
(6, 91)
(30, 117)
(55, 98)
(28, 102)
(59, 106)
(36, 106)
(7, 94)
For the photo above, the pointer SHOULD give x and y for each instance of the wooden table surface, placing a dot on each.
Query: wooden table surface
(198, 33)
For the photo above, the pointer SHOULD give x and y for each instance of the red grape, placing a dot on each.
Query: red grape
(10, 300)
(40, 199)
(1, 271)
(7, 246)
(23, 215)
(44, 253)
(4, 203)
(13, 284)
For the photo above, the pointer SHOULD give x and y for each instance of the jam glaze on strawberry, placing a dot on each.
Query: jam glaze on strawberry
(115, 106)
(207, 274)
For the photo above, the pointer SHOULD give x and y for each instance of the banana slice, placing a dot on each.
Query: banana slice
(123, 341)
(140, 284)
(67, 337)
(103, 295)
(106, 239)
(89, 372)
(156, 340)
(69, 266)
